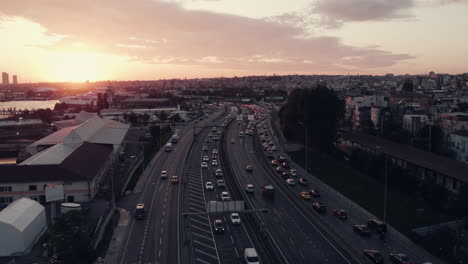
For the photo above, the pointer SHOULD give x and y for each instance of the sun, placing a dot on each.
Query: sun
(78, 66)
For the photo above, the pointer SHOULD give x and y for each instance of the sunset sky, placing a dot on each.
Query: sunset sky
(62, 40)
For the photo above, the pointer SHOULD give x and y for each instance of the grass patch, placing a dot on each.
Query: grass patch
(403, 211)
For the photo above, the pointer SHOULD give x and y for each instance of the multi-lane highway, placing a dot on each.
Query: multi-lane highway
(155, 238)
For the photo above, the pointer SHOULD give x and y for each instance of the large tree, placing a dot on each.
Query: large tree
(319, 110)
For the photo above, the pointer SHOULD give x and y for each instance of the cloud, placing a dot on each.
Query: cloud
(164, 33)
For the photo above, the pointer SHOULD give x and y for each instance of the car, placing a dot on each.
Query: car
(293, 172)
(163, 174)
(140, 211)
(269, 153)
(285, 165)
(206, 158)
(235, 219)
(241, 134)
(210, 135)
(282, 157)
(214, 156)
(279, 170)
(249, 188)
(218, 226)
(249, 168)
(215, 151)
(377, 225)
(221, 183)
(274, 162)
(204, 164)
(315, 193)
(251, 256)
(208, 140)
(216, 138)
(225, 196)
(219, 173)
(233, 141)
(205, 148)
(214, 162)
(209, 186)
(374, 256)
(290, 182)
(400, 258)
(341, 214)
(175, 179)
(303, 181)
(319, 207)
(305, 195)
(363, 230)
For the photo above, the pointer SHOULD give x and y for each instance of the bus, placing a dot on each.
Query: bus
(168, 147)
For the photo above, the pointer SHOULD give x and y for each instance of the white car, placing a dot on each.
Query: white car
(214, 162)
(206, 158)
(225, 196)
(235, 219)
(221, 184)
(209, 186)
(163, 174)
(204, 165)
(219, 173)
(291, 182)
(293, 172)
(215, 151)
(249, 188)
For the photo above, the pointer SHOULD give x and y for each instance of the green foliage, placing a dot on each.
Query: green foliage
(70, 239)
(319, 110)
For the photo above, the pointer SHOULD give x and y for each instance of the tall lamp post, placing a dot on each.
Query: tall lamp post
(306, 146)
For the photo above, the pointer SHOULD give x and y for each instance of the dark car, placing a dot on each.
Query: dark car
(249, 168)
(140, 211)
(218, 226)
(374, 256)
(314, 193)
(303, 181)
(285, 165)
(377, 225)
(363, 230)
(319, 207)
(341, 214)
(279, 170)
(400, 258)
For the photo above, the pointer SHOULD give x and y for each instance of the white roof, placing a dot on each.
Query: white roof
(52, 155)
(21, 213)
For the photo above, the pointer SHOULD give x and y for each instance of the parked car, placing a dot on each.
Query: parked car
(235, 219)
(218, 226)
(341, 214)
(374, 256)
(319, 207)
(363, 230)
(400, 258)
(209, 186)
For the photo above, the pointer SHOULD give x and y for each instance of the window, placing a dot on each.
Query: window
(33, 187)
(5, 189)
(6, 200)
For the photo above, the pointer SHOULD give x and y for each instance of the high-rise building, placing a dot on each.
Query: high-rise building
(5, 80)
(15, 79)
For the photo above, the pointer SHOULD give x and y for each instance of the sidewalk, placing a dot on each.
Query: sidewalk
(115, 246)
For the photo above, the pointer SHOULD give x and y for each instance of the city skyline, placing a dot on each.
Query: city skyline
(147, 40)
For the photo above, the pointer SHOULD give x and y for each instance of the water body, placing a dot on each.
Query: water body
(28, 104)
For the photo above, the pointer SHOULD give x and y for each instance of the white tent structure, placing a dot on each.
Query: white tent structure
(21, 225)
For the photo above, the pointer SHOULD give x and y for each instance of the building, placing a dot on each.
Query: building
(458, 142)
(21, 224)
(15, 79)
(5, 79)
(414, 122)
(77, 156)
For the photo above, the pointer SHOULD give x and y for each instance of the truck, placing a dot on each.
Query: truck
(268, 191)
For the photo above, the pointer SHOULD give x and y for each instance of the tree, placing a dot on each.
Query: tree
(155, 132)
(100, 103)
(319, 110)
(69, 238)
(163, 116)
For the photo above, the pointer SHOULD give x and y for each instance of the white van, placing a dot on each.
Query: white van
(251, 256)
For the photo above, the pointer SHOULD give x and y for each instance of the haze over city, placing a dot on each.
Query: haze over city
(56, 40)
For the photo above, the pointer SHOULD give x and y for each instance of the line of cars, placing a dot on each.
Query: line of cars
(283, 169)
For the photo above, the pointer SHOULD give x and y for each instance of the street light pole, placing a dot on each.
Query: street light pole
(385, 190)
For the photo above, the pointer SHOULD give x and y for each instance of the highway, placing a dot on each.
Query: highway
(155, 239)
(341, 230)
